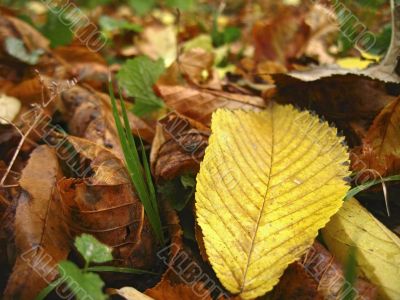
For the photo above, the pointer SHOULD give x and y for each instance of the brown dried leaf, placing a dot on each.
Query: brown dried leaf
(282, 37)
(41, 239)
(14, 27)
(329, 274)
(380, 150)
(105, 205)
(351, 102)
(386, 71)
(297, 284)
(165, 290)
(197, 65)
(199, 104)
(89, 115)
(178, 146)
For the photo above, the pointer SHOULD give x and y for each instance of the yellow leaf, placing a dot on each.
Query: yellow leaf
(377, 248)
(268, 182)
(353, 63)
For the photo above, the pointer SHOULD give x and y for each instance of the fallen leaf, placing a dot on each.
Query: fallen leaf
(377, 248)
(90, 206)
(178, 147)
(14, 27)
(9, 108)
(286, 166)
(282, 37)
(329, 273)
(165, 290)
(159, 42)
(196, 65)
(41, 239)
(199, 104)
(380, 151)
(89, 115)
(386, 71)
(130, 293)
(297, 284)
(351, 102)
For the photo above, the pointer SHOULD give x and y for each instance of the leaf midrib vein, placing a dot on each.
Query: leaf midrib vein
(242, 288)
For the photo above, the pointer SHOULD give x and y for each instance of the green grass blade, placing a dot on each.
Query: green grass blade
(149, 179)
(119, 270)
(143, 188)
(48, 289)
(350, 276)
(134, 166)
(354, 191)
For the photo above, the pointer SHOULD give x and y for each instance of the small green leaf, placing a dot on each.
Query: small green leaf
(92, 250)
(111, 24)
(188, 181)
(57, 30)
(16, 48)
(142, 7)
(81, 284)
(137, 76)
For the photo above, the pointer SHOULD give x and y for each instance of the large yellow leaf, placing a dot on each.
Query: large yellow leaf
(268, 182)
(377, 248)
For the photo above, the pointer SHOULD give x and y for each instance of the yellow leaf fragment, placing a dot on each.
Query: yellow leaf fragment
(9, 108)
(130, 293)
(377, 248)
(268, 182)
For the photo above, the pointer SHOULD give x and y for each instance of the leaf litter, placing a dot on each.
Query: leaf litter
(226, 169)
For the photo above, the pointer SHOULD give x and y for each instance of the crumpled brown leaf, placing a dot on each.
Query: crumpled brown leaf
(103, 203)
(319, 276)
(178, 146)
(85, 65)
(89, 115)
(380, 150)
(351, 102)
(282, 37)
(386, 71)
(14, 27)
(184, 277)
(199, 104)
(197, 66)
(41, 239)
(330, 275)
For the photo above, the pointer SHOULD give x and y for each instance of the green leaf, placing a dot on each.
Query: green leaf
(16, 48)
(56, 31)
(226, 36)
(183, 5)
(92, 250)
(142, 7)
(111, 24)
(137, 76)
(80, 283)
(188, 181)
(178, 191)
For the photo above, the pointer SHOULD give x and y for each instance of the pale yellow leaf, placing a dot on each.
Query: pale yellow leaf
(130, 293)
(9, 108)
(268, 182)
(377, 248)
